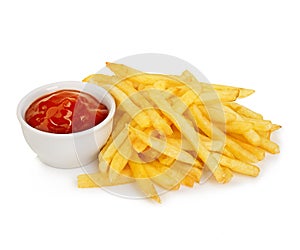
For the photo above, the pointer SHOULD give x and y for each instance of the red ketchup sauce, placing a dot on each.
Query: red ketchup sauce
(65, 111)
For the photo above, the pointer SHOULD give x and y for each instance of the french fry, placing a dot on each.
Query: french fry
(259, 125)
(167, 128)
(240, 153)
(188, 181)
(188, 77)
(160, 84)
(164, 147)
(239, 166)
(217, 115)
(139, 100)
(228, 173)
(161, 178)
(174, 172)
(138, 145)
(134, 111)
(251, 135)
(150, 79)
(121, 70)
(264, 134)
(275, 127)
(211, 131)
(188, 98)
(106, 155)
(242, 91)
(238, 127)
(181, 172)
(166, 160)
(149, 155)
(196, 173)
(269, 146)
(101, 180)
(258, 152)
(142, 180)
(243, 111)
(100, 79)
(227, 152)
(190, 134)
(119, 160)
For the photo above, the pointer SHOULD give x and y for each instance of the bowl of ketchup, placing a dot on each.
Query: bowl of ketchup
(66, 123)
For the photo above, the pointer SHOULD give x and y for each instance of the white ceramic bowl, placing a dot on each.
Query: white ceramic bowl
(67, 150)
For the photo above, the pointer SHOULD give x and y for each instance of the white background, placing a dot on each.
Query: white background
(253, 44)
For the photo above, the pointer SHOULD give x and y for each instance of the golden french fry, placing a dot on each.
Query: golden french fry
(120, 160)
(149, 155)
(122, 71)
(160, 84)
(106, 155)
(242, 91)
(100, 79)
(227, 152)
(134, 111)
(226, 95)
(182, 169)
(160, 178)
(212, 131)
(127, 171)
(258, 152)
(238, 127)
(269, 146)
(138, 145)
(166, 160)
(239, 166)
(143, 181)
(228, 173)
(240, 153)
(102, 180)
(188, 181)
(188, 131)
(174, 172)
(157, 121)
(163, 147)
(264, 134)
(275, 127)
(216, 115)
(243, 111)
(260, 125)
(188, 98)
(177, 125)
(188, 77)
(252, 136)
(196, 173)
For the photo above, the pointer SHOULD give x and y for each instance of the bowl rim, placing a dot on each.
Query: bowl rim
(80, 133)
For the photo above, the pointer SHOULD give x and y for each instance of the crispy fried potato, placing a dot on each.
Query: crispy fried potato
(238, 127)
(188, 77)
(167, 128)
(100, 79)
(164, 147)
(161, 178)
(188, 131)
(243, 111)
(239, 166)
(120, 160)
(122, 71)
(101, 179)
(143, 181)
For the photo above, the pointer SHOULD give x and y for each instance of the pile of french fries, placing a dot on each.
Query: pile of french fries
(169, 130)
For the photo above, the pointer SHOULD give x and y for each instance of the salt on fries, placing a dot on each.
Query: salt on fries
(168, 128)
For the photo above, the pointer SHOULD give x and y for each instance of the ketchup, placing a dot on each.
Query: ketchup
(65, 111)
